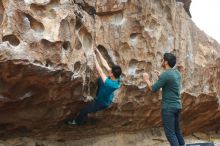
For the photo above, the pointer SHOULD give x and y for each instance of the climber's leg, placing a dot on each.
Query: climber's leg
(92, 107)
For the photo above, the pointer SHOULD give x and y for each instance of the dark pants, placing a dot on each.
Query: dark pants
(92, 107)
(170, 120)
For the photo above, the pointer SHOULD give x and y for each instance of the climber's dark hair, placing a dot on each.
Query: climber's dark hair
(116, 71)
(170, 58)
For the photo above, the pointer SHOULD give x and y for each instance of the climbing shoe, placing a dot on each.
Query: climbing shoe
(71, 122)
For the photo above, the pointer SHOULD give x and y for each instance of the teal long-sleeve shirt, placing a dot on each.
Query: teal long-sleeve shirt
(170, 82)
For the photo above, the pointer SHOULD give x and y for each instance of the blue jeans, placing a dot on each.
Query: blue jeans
(170, 120)
(92, 107)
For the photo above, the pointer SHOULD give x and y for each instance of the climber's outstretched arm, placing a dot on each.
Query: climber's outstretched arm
(104, 62)
(100, 71)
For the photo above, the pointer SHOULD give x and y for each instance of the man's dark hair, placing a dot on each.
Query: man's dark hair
(170, 58)
(116, 70)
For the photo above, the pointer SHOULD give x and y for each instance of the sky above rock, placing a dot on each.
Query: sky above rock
(206, 15)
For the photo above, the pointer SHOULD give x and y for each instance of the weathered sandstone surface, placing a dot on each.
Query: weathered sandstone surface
(46, 65)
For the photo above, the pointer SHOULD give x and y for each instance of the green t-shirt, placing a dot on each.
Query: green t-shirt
(170, 82)
(106, 90)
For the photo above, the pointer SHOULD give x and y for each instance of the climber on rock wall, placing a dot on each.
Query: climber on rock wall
(105, 93)
(170, 82)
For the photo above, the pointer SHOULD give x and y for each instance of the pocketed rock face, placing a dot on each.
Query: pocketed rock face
(46, 55)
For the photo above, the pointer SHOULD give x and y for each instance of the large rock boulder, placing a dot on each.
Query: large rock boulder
(46, 65)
